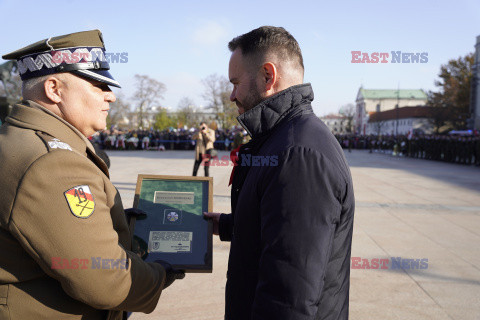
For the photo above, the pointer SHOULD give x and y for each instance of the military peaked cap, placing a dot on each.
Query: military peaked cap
(82, 53)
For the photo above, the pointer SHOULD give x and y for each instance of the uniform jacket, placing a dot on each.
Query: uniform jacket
(292, 216)
(55, 264)
(204, 142)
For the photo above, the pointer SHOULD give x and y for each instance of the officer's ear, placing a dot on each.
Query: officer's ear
(52, 87)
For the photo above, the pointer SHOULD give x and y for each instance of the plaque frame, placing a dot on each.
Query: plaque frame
(206, 239)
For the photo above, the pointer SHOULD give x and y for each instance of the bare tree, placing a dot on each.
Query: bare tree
(13, 89)
(348, 111)
(119, 111)
(217, 93)
(186, 112)
(10, 89)
(148, 95)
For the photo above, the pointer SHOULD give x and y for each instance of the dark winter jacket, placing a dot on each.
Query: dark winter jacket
(292, 216)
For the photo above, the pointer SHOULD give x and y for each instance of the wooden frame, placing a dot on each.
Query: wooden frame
(174, 230)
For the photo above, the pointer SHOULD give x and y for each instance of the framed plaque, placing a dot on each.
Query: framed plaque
(174, 229)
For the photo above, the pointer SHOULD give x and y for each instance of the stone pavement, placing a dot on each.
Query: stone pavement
(406, 209)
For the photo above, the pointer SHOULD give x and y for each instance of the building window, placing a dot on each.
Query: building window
(378, 107)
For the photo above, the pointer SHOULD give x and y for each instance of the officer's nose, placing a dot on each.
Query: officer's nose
(110, 97)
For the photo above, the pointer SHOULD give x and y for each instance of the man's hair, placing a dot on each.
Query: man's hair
(30, 85)
(33, 86)
(266, 40)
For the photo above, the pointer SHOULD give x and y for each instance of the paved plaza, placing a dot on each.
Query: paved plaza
(405, 209)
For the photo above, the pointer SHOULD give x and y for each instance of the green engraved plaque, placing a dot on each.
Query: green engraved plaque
(174, 229)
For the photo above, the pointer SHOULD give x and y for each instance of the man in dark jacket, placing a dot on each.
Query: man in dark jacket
(292, 194)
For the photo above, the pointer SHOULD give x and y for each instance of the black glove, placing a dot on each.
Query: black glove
(134, 212)
(171, 274)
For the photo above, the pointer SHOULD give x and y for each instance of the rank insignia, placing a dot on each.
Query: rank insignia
(80, 200)
(57, 144)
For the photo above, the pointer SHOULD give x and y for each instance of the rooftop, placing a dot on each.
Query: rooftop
(403, 113)
(391, 94)
(333, 116)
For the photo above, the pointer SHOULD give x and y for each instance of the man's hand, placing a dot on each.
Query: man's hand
(215, 216)
(171, 274)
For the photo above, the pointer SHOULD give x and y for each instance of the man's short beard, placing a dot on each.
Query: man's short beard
(254, 97)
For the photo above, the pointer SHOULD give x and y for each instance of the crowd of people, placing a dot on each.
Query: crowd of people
(169, 139)
(450, 148)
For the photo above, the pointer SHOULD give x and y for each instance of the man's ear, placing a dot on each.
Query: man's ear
(269, 75)
(52, 87)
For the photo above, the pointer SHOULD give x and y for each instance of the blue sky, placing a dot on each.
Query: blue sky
(181, 42)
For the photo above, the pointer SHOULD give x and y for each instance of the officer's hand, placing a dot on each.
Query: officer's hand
(171, 274)
(215, 216)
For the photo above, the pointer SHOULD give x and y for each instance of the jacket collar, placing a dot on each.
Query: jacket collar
(29, 114)
(266, 115)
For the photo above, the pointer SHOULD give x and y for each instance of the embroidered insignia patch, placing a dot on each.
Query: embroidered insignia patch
(172, 216)
(57, 144)
(80, 200)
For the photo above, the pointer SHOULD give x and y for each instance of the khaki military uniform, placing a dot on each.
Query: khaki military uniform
(64, 238)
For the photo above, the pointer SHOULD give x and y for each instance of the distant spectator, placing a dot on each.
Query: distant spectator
(205, 138)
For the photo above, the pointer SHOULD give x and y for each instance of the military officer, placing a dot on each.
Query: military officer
(64, 238)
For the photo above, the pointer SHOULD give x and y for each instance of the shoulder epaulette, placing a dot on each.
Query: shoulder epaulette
(51, 142)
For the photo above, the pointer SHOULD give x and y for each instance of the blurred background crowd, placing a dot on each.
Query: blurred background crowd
(456, 148)
(168, 139)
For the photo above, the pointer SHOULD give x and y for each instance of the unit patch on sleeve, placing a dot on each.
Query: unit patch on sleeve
(80, 200)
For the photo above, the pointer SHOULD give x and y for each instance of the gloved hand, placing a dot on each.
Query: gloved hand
(171, 274)
(134, 212)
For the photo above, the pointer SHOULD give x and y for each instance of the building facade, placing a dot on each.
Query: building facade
(336, 123)
(369, 102)
(401, 121)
